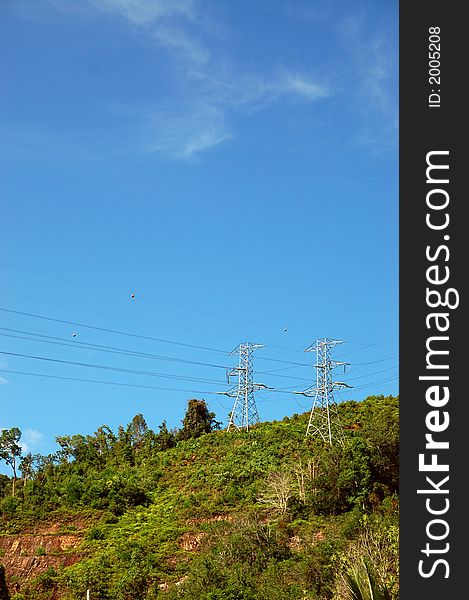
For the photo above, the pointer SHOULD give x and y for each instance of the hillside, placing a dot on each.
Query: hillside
(200, 513)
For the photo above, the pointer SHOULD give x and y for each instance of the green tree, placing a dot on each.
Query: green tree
(123, 452)
(66, 450)
(165, 438)
(197, 420)
(136, 430)
(26, 467)
(10, 451)
(381, 428)
(104, 440)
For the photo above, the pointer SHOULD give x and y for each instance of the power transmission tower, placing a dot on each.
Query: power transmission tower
(324, 418)
(244, 412)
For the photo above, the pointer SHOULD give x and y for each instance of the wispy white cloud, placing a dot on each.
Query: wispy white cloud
(140, 12)
(301, 87)
(184, 45)
(205, 122)
(374, 96)
(253, 91)
(163, 21)
(31, 440)
(377, 73)
(3, 381)
(210, 87)
(184, 134)
(214, 92)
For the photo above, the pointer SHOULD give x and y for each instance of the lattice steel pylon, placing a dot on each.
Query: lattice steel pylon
(324, 418)
(244, 412)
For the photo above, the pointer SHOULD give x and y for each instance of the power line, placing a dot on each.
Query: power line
(153, 356)
(134, 335)
(102, 348)
(283, 376)
(367, 385)
(151, 338)
(106, 330)
(108, 368)
(118, 350)
(131, 385)
(100, 311)
(373, 362)
(286, 362)
(355, 388)
(374, 373)
(348, 379)
(281, 369)
(298, 364)
(143, 298)
(376, 343)
(124, 316)
(179, 306)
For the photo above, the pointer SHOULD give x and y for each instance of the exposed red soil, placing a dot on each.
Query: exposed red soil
(25, 556)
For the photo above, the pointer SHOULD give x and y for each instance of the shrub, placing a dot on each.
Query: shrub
(95, 533)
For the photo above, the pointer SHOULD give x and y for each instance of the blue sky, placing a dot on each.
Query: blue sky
(232, 164)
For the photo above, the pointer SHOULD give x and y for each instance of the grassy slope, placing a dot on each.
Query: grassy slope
(204, 519)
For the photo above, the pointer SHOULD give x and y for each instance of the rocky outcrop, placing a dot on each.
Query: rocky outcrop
(26, 556)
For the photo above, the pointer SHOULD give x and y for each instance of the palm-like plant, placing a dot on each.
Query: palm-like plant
(362, 584)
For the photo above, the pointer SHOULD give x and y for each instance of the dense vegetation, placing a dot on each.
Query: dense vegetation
(199, 513)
